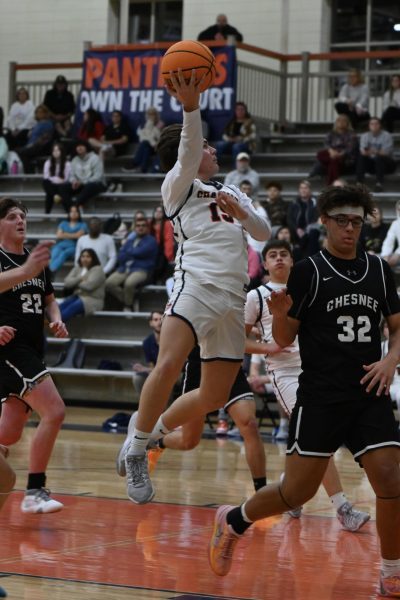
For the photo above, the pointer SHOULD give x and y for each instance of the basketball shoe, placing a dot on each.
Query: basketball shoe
(39, 501)
(139, 487)
(222, 543)
(295, 513)
(120, 462)
(390, 586)
(153, 455)
(350, 518)
(222, 427)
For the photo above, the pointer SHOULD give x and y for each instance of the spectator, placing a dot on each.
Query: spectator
(353, 98)
(61, 104)
(40, 137)
(284, 233)
(162, 230)
(374, 232)
(56, 171)
(391, 244)
(115, 138)
(254, 267)
(150, 347)
(149, 135)
(340, 152)
(86, 178)
(302, 219)
(92, 126)
(68, 232)
(3, 154)
(376, 153)
(391, 104)
(86, 283)
(136, 263)
(243, 172)
(102, 243)
(239, 133)
(220, 31)
(20, 120)
(275, 205)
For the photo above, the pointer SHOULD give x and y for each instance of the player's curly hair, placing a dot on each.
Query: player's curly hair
(7, 203)
(167, 147)
(352, 195)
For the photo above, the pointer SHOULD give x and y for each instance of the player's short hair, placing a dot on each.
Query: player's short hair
(167, 147)
(275, 184)
(350, 194)
(7, 203)
(276, 245)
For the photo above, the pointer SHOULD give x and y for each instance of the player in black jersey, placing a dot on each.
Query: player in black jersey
(335, 302)
(26, 297)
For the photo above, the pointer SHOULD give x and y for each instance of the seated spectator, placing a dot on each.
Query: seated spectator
(284, 233)
(239, 133)
(374, 232)
(391, 244)
(161, 228)
(86, 284)
(92, 126)
(354, 98)
(102, 243)
(3, 154)
(302, 219)
(68, 233)
(20, 119)
(56, 170)
(340, 152)
(391, 104)
(86, 179)
(61, 104)
(115, 138)
(135, 265)
(39, 139)
(243, 172)
(275, 205)
(149, 135)
(150, 347)
(376, 153)
(220, 31)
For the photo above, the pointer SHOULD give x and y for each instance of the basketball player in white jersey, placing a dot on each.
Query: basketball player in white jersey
(284, 367)
(210, 281)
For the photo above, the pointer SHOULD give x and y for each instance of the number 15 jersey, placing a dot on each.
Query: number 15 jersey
(339, 304)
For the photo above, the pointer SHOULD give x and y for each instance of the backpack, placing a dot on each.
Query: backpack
(73, 355)
(112, 224)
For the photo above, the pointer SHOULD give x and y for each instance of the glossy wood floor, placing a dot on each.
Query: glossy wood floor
(103, 546)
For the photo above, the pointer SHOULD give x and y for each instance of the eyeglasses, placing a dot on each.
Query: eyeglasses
(343, 221)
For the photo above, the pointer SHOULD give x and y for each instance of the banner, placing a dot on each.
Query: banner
(130, 81)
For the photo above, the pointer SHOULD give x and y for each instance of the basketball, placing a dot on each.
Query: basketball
(188, 55)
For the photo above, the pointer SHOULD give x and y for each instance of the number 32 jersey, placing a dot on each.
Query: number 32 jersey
(339, 304)
(23, 306)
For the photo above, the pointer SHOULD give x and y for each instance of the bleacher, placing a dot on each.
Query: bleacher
(286, 157)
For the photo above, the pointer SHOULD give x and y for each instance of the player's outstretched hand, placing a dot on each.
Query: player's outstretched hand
(7, 333)
(230, 205)
(187, 92)
(59, 329)
(38, 259)
(380, 374)
(279, 303)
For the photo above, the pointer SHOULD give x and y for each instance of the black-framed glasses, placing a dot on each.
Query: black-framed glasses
(343, 221)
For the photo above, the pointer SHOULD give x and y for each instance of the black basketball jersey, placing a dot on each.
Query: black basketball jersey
(23, 305)
(339, 304)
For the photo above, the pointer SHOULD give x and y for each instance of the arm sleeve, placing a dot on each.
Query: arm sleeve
(300, 286)
(29, 117)
(257, 225)
(94, 279)
(112, 256)
(179, 179)
(98, 169)
(72, 279)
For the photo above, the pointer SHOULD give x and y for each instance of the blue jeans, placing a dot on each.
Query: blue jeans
(143, 156)
(71, 307)
(231, 148)
(61, 252)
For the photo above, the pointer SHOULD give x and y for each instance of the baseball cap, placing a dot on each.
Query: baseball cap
(243, 156)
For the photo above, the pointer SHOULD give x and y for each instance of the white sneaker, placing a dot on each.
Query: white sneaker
(120, 462)
(39, 501)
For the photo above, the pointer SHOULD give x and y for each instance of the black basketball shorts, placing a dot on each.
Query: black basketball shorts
(360, 424)
(21, 369)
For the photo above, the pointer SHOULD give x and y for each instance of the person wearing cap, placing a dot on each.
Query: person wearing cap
(243, 172)
(61, 104)
(239, 135)
(86, 178)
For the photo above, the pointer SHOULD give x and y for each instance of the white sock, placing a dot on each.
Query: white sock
(338, 499)
(139, 442)
(243, 511)
(390, 567)
(159, 430)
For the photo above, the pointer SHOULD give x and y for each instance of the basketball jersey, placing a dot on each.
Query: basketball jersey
(257, 312)
(339, 323)
(23, 306)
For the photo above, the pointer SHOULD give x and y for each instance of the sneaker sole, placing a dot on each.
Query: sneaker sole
(143, 501)
(40, 511)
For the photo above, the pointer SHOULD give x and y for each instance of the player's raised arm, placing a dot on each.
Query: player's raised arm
(36, 262)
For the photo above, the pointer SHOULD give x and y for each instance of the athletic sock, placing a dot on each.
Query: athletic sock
(390, 567)
(238, 519)
(36, 481)
(259, 482)
(338, 499)
(159, 430)
(139, 442)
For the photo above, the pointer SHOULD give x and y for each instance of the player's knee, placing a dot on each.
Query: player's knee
(298, 493)
(248, 427)
(386, 481)
(167, 369)
(190, 443)
(9, 437)
(55, 415)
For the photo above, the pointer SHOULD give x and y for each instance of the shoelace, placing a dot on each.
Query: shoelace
(137, 472)
(43, 494)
